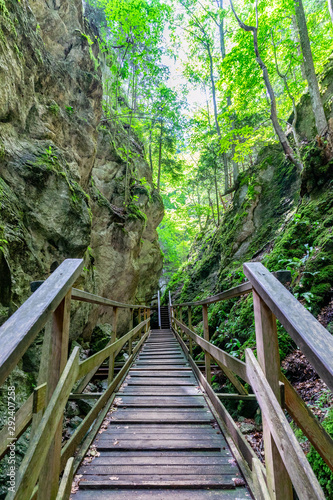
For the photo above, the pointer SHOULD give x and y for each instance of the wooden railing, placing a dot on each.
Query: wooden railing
(60, 379)
(286, 464)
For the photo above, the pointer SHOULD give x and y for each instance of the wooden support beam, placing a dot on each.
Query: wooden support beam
(56, 362)
(189, 313)
(131, 328)
(259, 483)
(66, 481)
(35, 403)
(278, 482)
(39, 396)
(306, 420)
(181, 320)
(113, 339)
(34, 459)
(237, 397)
(206, 337)
(294, 460)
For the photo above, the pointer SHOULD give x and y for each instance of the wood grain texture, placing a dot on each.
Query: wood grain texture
(300, 472)
(102, 301)
(311, 427)
(33, 461)
(311, 337)
(226, 359)
(98, 358)
(278, 481)
(66, 481)
(71, 445)
(161, 435)
(21, 328)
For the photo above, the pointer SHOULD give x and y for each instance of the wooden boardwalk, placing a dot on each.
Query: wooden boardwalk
(162, 441)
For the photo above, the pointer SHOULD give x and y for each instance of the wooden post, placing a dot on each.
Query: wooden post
(181, 320)
(189, 313)
(206, 337)
(113, 339)
(278, 481)
(131, 327)
(139, 321)
(56, 338)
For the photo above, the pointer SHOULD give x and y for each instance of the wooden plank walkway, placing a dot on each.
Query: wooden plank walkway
(162, 441)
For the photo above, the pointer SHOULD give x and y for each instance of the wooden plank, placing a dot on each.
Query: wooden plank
(152, 454)
(278, 481)
(151, 444)
(66, 481)
(176, 434)
(259, 484)
(84, 447)
(243, 446)
(158, 480)
(71, 445)
(166, 494)
(299, 469)
(305, 419)
(102, 301)
(311, 337)
(226, 359)
(170, 470)
(192, 459)
(165, 390)
(21, 328)
(155, 382)
(34, 458)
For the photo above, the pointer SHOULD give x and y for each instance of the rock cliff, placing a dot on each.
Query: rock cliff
(61, 171)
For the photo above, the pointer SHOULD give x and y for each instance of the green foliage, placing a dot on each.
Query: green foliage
(322, 471)
(54, 108)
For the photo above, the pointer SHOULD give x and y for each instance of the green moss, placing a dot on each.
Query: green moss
(135, 213)
(54, 108)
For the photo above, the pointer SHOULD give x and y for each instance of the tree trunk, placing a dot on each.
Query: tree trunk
(159, 159)
(223, 54)
(213, 91)
(217, 197)
(317, 105)
(299, 50)
(149, 149)
(274, 118)
(330, 8)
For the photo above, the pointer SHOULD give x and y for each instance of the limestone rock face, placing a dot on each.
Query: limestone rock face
(62, 173)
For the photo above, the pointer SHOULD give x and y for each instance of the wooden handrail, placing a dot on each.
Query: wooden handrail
(299, 469)
(228, 294)
(311, 337)
(236, 291)
(20, 330)
(223, 357)
(285, 461)
(83, 296)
